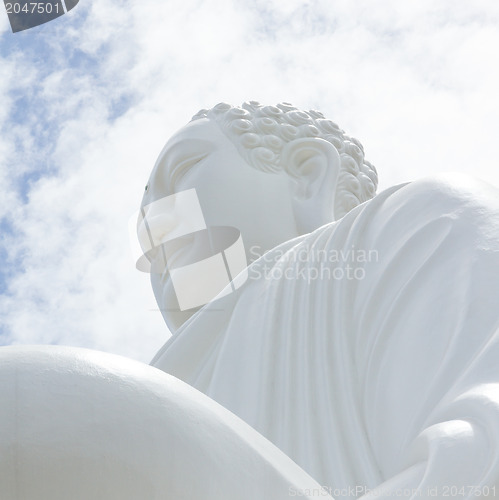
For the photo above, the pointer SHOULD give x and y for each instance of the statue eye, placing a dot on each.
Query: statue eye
(183, 167)
(146, 188)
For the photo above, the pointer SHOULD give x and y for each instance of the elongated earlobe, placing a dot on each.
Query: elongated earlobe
(312, 165)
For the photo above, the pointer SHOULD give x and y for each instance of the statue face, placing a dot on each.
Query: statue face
(230, 193)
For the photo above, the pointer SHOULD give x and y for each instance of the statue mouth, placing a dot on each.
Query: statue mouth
(200, 266)
(190, 248)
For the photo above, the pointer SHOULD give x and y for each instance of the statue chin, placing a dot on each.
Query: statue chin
(167, 302)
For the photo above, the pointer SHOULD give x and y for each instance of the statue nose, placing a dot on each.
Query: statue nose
(154, 230)
(164, 220)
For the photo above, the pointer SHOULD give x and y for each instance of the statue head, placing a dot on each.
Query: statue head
(272, 172)
(283, 138)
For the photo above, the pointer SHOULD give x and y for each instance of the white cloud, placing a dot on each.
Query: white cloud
(414, 81)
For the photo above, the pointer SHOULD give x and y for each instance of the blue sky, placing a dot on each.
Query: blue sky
(89, 99)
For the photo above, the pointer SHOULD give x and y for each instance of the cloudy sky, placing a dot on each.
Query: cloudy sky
(88, 101)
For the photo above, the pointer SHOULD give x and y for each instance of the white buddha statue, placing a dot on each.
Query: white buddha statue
(364, 339)
(355, 356)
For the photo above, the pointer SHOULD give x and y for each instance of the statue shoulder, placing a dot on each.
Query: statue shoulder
(449, 190)
(449, 194)
(423, 211)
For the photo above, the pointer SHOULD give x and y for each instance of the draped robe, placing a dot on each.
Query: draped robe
(383, 381)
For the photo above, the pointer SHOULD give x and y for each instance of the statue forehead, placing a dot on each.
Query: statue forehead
(203, 129)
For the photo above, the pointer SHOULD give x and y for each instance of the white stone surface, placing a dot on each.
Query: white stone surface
(78, 424)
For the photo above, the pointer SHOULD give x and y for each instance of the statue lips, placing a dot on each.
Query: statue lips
(191, 249)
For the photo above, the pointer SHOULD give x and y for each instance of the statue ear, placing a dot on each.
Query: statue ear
(312, 165)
